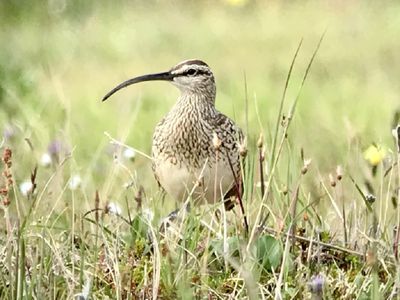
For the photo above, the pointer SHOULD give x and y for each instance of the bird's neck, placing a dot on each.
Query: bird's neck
(188, 112)
(195, 102)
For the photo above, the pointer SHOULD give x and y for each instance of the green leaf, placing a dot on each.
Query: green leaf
(269, 252)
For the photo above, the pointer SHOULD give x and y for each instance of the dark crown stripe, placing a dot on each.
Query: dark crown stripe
(188, 63)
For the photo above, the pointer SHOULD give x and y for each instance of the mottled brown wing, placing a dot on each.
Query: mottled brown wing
(232, 196)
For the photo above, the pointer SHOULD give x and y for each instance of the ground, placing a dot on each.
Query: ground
(81, 209)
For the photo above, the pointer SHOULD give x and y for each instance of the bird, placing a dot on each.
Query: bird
(195, 148)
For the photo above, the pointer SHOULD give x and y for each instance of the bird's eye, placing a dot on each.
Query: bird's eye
(191, 72)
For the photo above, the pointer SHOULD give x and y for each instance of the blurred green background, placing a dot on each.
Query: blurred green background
(58, 58)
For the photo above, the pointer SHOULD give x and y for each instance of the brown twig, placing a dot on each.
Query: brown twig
(295, 197)
(261, 158)
(33, 179)
(311, 241)
(96, 205)
(239, 193)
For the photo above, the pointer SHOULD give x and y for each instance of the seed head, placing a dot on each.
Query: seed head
(306, 164)
(199, 182)
(339, 172)
(332, 180)
(260, 141)
(370, 257)
(243, 148)
(6, 201)
(7, 155)
(285, 190)
(262, 153)
(370, 198)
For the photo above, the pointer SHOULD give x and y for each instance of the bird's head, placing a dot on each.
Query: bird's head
(190, 76)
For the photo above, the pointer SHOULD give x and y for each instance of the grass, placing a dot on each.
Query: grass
(322, 212)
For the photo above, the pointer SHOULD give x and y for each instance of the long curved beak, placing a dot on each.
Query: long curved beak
(167, 76)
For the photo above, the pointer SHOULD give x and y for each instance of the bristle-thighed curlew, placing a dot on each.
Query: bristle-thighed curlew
(195, 147)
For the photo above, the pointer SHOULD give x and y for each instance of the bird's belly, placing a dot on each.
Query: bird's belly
(208, 183)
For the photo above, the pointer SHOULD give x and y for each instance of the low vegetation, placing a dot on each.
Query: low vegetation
(318, 102)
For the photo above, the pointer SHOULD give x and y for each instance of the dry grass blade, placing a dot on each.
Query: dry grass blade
(281, 104)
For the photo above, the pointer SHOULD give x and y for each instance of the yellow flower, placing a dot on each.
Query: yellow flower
(374, 154)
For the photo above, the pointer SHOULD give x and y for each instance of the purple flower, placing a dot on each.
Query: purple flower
(9, 132)
(55, 147)
(317, 284)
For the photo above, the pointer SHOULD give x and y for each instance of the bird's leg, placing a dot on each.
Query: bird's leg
(172, 217)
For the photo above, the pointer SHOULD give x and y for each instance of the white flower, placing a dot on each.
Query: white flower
(114, 208)
(148, 214)
(129, 153)
(84, 295)
(26, 187)
(45, 160)
(75, 182)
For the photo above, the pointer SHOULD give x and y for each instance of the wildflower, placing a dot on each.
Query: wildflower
(316, 285)
(113, 208)
(26, 187)
(9, 132)
(129, 154)
(45, 160)
(374, 154)
(55, 148)
(74, 182)
(84, 295)
(148, 214)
